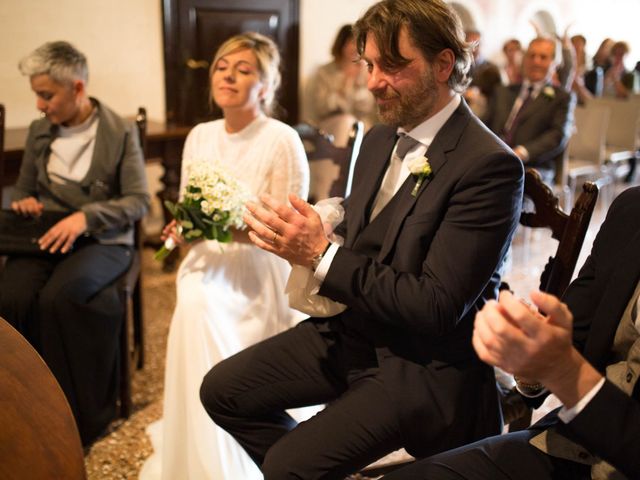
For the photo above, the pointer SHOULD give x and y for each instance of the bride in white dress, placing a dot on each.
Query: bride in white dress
(229, 296)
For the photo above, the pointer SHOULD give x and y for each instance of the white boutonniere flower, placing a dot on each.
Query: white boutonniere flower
(421, 168)
(549, 92)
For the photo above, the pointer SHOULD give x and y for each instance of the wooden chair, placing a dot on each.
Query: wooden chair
(570, 231)
(331, 166)
(39, 438)
(130, 290)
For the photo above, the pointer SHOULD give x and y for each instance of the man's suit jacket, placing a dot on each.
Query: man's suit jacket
(609, 426)
(113, 194)
(544, 125)
(415, 276)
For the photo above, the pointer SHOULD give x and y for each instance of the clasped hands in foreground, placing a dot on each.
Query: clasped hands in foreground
(513, 336)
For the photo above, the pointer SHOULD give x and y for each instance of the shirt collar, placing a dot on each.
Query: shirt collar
(537, 86)
(427, 130)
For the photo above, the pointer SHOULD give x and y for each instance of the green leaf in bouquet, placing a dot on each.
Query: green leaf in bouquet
(193, 234)
(196, 216)
(224, 236)
(186, 224)
(171, 207)
(208, 221)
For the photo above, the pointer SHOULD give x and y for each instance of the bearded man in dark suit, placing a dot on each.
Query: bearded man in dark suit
(586, 351)
(534, 118)
(423, 244)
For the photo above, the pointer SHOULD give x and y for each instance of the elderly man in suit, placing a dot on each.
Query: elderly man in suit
(595, 434)
(534, 118)
(423, 245)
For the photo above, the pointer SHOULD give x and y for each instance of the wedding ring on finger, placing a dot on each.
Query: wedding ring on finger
(275, 236)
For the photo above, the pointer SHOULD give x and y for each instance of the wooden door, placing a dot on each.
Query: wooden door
(194, 29)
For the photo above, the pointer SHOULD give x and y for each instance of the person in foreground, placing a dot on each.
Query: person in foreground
(421, 254)
(229, 296)
(81, 159)
(596, 431)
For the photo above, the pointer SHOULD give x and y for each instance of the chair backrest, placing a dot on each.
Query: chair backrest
(570, 230)
(331, 166)
(339, 127)
(589, 140)
(39, 438)
(131, 291)
(623, 131)
(141, 123)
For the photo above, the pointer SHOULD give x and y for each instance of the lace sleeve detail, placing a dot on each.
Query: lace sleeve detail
(290, 169)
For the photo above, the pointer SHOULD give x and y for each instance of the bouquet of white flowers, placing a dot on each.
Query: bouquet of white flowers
(213, 202)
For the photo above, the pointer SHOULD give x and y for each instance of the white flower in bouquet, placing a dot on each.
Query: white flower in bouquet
(212, 203)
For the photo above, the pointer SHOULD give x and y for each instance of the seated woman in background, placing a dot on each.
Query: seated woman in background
(83, 160)
(340, 87)
(223, 291)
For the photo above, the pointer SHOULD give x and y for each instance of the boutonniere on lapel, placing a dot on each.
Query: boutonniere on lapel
(549, 92)
(420, 168)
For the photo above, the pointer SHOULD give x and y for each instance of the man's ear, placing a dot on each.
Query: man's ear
(443, 65)
(78, 87)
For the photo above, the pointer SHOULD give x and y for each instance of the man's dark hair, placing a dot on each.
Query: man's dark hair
(432, 25)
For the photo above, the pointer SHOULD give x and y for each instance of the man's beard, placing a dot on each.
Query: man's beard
(411, 107)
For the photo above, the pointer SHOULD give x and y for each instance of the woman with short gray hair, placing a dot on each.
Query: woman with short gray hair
(84, 162)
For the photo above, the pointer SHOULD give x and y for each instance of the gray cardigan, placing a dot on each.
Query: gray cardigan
(113, 194)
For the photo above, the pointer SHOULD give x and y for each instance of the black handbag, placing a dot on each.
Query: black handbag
(19, 234)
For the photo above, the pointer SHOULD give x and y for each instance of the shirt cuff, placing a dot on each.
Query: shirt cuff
(325, 263)
(568, 414)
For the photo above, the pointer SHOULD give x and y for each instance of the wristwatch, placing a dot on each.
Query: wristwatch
(318, 258)
(528, 388)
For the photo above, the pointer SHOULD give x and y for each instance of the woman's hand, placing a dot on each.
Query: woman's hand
(28, 206)
(171, 230)
(62, 235)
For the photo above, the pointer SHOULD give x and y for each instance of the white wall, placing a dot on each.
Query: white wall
(123, 40)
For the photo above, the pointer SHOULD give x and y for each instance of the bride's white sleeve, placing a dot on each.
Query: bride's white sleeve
(290, 172)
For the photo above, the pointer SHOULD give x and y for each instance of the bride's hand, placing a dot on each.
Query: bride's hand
(171, 231)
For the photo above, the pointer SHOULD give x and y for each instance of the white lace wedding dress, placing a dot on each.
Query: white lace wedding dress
(229, 296)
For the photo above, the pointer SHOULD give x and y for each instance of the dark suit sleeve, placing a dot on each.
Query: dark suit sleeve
(584, 294)
(609, 427)
(444, 256)
(553, 140)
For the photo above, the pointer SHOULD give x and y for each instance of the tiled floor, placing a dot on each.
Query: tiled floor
(120, 454)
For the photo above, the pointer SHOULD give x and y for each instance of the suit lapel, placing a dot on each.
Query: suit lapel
(103, 149)
(445, 141)
(371, 165)
(614, 300)
(536, 104)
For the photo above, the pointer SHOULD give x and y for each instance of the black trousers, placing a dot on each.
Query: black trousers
(247, 395)
(70, 311)
(504, 457)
